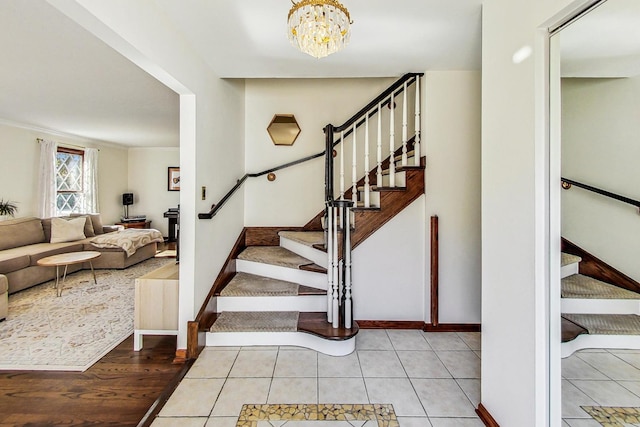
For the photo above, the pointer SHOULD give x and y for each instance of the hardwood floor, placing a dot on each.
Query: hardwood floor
(118, 390)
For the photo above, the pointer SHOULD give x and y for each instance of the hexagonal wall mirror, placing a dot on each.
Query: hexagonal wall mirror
(283, 129)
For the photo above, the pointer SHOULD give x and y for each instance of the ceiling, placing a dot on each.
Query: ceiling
(55, 75)
(603, 43)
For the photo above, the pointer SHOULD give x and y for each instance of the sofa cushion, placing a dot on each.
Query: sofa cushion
(12, 261)
(41, 250)
(20, 232)
(98, 227)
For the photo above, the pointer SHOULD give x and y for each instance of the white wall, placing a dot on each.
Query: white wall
(148, 183)
(315, 103)
(600, 129)
(20, 160)
(211, 133)
(515, 318)
(452, 181)
(388, 269)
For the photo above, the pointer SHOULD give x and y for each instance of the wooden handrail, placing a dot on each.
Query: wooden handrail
(215, 208)
(567, 183)
(358, 118)
(395, 89)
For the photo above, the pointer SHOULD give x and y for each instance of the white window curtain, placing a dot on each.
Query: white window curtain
(47, 179)
(91, 180)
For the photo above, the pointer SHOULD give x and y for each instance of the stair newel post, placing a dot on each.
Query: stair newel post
(367, 201)
(354, 167)
(347, 300)
(330, 249)
(341, 165)
(379, 148)
(404, 125)
(416, 144)
(342, 310)
(335, 289)
(328, 164)
(392, 134)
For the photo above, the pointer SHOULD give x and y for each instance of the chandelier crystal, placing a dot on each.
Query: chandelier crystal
(319, 27)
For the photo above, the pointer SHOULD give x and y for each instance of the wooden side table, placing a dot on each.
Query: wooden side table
(138, 224)
(156, 304)
(66, 260)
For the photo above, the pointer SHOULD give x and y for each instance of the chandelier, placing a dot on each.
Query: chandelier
(319, 27)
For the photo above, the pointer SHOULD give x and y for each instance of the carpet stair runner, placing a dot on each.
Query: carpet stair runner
(596, 314)
(279, 297)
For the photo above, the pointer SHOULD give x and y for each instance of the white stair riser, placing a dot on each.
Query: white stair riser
(600, 306)
(374, 198)
(305, 251)
(600, 341)
(569, 270)
(300, 339)
(308, 278)
(304, 303)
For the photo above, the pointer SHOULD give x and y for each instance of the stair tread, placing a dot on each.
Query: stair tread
(253, 285)
(410, 154)
(314, 323)
(569, 259)
(307, 238)
(607, 324)
(274, 255)
(256, 321)
(376, 188)
(585, 287)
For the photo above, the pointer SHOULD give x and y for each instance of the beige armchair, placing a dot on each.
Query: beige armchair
(4, 297)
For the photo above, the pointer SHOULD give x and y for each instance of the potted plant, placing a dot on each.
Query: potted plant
(7, 209)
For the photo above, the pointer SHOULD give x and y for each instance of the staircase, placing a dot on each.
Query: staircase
(596, 314)
(292, 285)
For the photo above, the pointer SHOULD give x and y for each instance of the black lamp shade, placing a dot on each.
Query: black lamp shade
(127, 199)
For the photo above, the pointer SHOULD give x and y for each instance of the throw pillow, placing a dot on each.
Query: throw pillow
(88, 226)
(67, 230)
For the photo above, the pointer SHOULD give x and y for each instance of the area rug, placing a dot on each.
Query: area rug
(71, 332)
(364, 415)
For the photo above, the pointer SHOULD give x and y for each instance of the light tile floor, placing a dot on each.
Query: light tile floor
(431, 379)
(598, 378)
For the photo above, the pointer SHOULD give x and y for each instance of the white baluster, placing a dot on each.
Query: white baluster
(367, 201)
(336, 282)
(330, 278)
(416, 144)
(348, 305)
(379, 153)
(354, 169)
(404, 125)
(392, 150)
(342, 165)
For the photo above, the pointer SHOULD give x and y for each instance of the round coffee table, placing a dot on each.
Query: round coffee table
(68, 259)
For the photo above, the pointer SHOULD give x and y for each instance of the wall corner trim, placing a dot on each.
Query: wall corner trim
(486, 417)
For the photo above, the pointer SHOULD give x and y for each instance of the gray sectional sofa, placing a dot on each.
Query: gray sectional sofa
(24, 241)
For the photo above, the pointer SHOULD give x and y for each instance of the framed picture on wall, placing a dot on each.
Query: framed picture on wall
(174, 178)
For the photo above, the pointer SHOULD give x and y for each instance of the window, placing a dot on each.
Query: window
(69, 181)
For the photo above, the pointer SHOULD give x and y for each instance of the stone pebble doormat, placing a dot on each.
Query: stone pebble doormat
(613, 416)
(283, 415)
